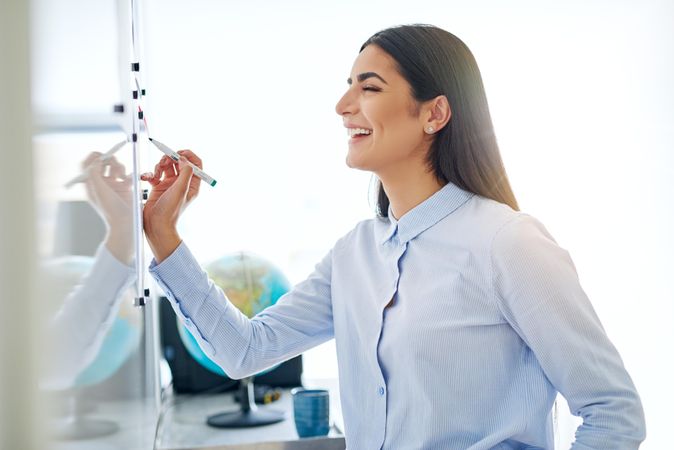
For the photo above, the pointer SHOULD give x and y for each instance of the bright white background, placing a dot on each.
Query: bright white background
(580, 94)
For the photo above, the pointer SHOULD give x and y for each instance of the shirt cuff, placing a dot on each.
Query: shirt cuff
(182, 278)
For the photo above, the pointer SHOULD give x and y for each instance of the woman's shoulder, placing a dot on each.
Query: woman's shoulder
(489, 219)
(508, 228)
(499, 212)
(483, 216)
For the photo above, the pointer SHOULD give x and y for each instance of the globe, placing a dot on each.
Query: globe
(251, 283)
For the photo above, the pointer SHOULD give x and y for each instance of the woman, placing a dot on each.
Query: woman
(457, 318)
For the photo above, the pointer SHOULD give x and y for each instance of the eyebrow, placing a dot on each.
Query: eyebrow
(364, 76)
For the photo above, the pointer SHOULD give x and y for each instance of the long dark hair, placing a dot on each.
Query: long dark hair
(435, 62)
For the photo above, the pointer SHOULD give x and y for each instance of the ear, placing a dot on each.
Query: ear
(437, 113)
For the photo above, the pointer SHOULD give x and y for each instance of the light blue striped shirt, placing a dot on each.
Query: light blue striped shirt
(487, 322)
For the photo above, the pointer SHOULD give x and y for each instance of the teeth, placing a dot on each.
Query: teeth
(356, 131)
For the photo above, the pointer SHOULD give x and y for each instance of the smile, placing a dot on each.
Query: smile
(354, 132)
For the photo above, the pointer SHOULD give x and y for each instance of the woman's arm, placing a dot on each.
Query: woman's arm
(537, 288)
(300, 320)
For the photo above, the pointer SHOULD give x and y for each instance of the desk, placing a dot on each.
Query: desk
(182, 424)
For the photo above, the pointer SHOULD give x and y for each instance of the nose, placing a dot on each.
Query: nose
(345, 105)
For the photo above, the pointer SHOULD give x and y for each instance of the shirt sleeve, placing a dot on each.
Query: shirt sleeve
(79, 327)
(301, 319)
(539, 293)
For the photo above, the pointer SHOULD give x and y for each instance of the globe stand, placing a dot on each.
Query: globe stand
(249, 415)
(76, 427)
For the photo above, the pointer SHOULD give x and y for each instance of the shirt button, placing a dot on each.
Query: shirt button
(381, 390)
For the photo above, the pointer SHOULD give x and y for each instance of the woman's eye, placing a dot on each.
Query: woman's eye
(371, 88)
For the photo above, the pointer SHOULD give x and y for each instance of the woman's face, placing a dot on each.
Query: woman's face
(386, 132)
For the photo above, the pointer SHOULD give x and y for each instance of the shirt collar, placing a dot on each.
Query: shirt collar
(423, 216)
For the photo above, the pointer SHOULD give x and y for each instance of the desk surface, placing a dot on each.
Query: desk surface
(183, 424)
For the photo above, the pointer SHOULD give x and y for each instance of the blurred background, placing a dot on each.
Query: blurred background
(582, 102)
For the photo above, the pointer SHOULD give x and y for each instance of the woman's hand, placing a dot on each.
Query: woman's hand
(173, 188)
(110, 195)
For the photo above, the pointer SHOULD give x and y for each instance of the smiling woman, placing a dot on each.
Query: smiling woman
(457, 318)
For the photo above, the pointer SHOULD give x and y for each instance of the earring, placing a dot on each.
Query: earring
(430, 130)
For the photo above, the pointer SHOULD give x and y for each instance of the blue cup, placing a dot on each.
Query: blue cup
(311, 408)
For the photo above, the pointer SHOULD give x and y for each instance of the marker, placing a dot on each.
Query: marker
(104, 157)
(176, 157)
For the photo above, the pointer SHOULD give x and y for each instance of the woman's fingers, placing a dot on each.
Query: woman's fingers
(168, 168)
(157, 171)
(184, 177)
(159, 168)
(150, 178)
(175, 167)
(191, 157)
(165, 168)
(195, 182)
(176, 176)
